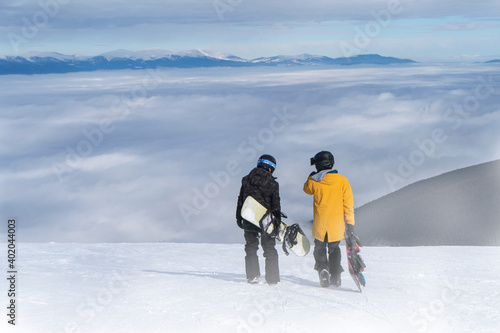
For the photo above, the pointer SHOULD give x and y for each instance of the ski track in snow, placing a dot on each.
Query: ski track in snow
(167, 287)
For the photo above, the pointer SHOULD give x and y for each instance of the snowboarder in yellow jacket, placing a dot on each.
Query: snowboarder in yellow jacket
(333, 213)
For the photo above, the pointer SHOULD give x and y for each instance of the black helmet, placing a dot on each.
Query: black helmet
(323, 160)
(267, 162)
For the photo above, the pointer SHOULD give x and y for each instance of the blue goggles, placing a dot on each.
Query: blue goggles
(267, 162)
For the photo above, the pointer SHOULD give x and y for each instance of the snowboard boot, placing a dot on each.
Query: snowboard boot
(255, 280)
(335, 280)
(324, 278)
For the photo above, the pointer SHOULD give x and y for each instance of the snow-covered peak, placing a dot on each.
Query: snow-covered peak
(303, 56)
(289, 58)
(144, 54)
(210, 54)
(31, 56)
(160, 53)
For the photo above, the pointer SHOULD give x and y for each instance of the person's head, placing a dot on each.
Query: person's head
(323, 160)
(267, 162)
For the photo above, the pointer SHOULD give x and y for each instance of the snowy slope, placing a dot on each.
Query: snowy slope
(202, 288)
(455, 208)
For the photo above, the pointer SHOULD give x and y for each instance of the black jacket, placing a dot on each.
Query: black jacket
(264, 188)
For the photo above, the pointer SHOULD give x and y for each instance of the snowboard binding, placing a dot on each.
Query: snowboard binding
(270, 222)
(290, 237)
(286, 234)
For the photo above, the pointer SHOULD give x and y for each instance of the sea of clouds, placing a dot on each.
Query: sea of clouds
(158, 155)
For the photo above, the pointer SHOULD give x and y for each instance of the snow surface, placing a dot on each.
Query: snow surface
(168, 287)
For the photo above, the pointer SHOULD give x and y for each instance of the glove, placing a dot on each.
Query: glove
(352, 240)
(275, 221)
(239, 222)
(349, 229)
(354, 244)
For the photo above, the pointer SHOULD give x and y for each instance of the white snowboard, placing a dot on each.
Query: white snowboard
(258, 215)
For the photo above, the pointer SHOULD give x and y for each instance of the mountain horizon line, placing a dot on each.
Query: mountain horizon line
(53, 62)
(157, 53)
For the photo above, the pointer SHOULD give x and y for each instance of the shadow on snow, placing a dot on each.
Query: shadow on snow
(235, 277)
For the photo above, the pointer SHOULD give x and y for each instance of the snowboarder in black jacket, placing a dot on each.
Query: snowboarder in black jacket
(263, 187)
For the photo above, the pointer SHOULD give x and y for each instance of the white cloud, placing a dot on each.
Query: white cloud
(191, 138)
(116, 13)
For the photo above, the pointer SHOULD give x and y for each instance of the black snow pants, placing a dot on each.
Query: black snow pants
(330, 263)
(252, 260)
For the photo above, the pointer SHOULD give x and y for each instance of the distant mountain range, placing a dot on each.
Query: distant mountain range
(44, 63)
(461, 207)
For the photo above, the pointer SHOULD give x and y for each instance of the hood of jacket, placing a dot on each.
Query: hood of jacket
(260, 177)
(321, 175)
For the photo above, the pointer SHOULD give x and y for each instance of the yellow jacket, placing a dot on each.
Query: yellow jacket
(333, 204)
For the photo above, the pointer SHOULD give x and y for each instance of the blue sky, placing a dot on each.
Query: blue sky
(441, 30)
